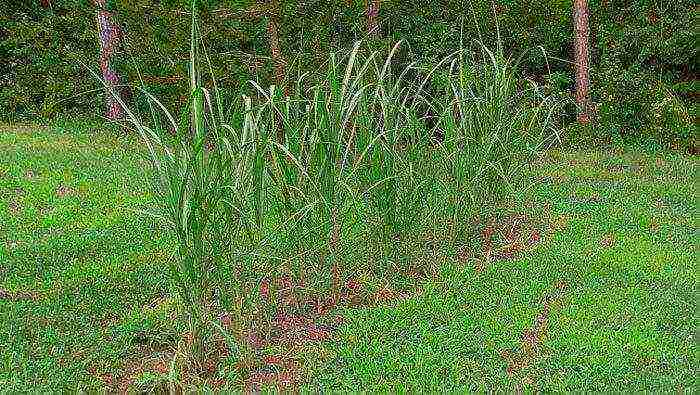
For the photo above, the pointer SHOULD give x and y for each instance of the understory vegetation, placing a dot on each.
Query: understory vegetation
(643, 53)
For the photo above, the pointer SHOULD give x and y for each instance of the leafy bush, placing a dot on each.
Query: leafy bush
(644, 49)
(39, 76)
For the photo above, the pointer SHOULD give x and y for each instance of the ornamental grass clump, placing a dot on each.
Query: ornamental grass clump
(338, 178)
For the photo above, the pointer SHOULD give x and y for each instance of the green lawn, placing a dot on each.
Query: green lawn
(606, 300)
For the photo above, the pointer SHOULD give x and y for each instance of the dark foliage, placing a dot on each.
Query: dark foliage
(644, 52)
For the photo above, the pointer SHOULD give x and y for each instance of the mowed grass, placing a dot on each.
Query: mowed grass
(77, 260)
(605, 301)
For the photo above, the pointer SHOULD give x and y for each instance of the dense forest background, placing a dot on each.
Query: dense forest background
(644, 53)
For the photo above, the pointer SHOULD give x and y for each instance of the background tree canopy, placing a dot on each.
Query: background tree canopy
(644, 53)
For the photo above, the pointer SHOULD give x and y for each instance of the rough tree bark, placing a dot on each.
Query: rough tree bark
(373, 18)
(273, 27)
(109, 33)
(581, 59)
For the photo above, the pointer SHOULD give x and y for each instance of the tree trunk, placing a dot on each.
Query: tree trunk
(277, 57)
(373, 18)
(109, 34)
(581, 59)
(279, 62)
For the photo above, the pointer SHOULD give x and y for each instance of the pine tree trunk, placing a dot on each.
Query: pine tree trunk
(373, 18)
(109, 33)
(279, 62)
(581, 59)
(277, 57)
